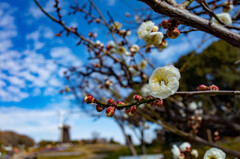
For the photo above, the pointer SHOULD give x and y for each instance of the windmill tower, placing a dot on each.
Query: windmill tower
(64, 129)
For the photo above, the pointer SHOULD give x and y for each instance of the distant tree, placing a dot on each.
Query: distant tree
(15, 139)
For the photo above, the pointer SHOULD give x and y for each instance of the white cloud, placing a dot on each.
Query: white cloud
(29, 72)
(5, 45)
(65, 56)
(48, 33)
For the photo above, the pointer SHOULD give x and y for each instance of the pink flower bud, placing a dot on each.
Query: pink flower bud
(166, 24)
(158, 102)
(120, 103)
(213, 88)
(99, 108)
(173, 33)
(89, 99)
(138, 98)
(111, 102)
(132, 111)
(202, 87)
(110, 111)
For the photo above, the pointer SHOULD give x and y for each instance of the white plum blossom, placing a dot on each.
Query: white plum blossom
(117, 25)
(134, 48)
(176, 152)
(98, 43)
(224, 17)
(111, 44)
(145, 90)
(192, 106)
(185, 147)
(142, 65)
(154, 38)
(128, 33)
(137, 19)
(133, 71)
(145, 29)
(194, 153)
(120, 49)
(164, 81)
(127, 53)
(214, 153)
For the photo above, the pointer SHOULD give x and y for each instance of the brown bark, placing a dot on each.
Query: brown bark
(190, 19)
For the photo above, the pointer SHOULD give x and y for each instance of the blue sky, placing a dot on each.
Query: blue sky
(30, 79)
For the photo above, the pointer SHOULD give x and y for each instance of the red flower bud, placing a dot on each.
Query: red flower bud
(173, 33)
(111, 102)
(58, 35)
(97, 20)
(132, 110)
(158, 102)
(89, 99)
(213, 88)
(99, 108)
(120, 103)
(202, 87)
(110, 111)
(138, 98)
(166, 24)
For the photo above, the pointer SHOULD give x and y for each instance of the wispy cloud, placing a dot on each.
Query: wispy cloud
(29, 72)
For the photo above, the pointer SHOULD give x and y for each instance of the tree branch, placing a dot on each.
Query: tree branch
(189, 19)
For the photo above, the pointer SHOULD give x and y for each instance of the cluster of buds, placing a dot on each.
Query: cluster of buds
(194, 123)
(124, 32)
(183, 151)
(92, 35)
(111, 105)
(58, 9)
(203, 87)
(171, 25)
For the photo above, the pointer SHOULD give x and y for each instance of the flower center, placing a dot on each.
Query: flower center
(161, 81)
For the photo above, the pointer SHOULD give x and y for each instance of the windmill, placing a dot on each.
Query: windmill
(64, 128)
